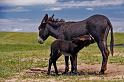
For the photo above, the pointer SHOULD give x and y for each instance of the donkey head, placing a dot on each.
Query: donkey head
(43, 30)
(47, 27)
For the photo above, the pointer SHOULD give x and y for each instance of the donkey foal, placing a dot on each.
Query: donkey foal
(67, 48)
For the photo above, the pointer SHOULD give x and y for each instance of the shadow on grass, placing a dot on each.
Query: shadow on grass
(80, 72)
(119, 45)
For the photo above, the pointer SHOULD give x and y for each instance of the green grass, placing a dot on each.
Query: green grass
(21, 51)
(18, 51)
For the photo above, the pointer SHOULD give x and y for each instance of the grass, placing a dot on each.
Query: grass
(21, 51)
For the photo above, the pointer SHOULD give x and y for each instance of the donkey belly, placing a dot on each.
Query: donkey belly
(66, 54)
(72, 33)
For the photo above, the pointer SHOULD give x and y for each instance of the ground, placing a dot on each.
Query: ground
(22, 59)
(88, 72)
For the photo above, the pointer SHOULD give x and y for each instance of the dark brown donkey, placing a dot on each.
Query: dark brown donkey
(67, 48)
(97, 26)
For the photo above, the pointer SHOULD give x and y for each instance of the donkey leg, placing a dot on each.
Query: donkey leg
(55, 67)
(72, 63)
(105, 51)
(49, 67)
(105, 54)
(75, 63)
(105, 59)
(66, 65)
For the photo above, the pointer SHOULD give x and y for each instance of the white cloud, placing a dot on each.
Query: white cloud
(27, 2)
(89, 4)
(17, 9)
(18, 24)
(23, 19)
(6, 21)
(53, 9)
(24, 25)
(118, 25)
(69, 4)
(93, 3)
(17, 29)
(89, 9)
(13, 21)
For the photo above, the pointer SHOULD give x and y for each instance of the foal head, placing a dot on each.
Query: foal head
(82, 40)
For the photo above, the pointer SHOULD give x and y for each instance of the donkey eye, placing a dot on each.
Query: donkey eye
(40, 29)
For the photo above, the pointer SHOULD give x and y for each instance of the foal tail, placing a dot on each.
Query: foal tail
(112, 38)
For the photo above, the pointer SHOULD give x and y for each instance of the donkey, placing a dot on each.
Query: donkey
(98, 26)
(67, 48)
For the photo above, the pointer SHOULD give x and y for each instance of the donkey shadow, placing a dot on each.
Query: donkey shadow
(60, 72)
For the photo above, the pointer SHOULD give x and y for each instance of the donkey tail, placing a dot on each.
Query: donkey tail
(112, 38)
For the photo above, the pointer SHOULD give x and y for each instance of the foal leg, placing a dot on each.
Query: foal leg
(105, 54)
(54, 63)
(66, 65)
(74, 64)
(53, 58)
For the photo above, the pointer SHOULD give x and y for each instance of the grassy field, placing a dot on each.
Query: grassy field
(21, 51)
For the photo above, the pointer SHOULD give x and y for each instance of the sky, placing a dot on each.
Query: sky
(26, 15)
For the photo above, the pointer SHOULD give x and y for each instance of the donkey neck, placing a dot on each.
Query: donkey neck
(56, 33)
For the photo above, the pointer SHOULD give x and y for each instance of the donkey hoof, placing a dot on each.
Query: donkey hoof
(64, 73)
(74, 73)
(102, 72)
(48, 73)
(57, 74)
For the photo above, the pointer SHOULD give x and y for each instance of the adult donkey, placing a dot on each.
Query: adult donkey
(97, 26)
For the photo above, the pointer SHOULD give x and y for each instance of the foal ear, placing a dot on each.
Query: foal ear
(79, 39)
(82, 38)
(85, 37)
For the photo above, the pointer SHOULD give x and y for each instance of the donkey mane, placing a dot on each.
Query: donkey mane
(58, 23)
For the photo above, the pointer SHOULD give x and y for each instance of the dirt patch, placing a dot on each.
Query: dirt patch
(113, 71)
(86, 72)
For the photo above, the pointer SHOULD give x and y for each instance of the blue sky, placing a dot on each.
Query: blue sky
(26, 15)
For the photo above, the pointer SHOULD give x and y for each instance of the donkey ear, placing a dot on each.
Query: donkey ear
(45, 18)
(52, 16)
(46, 15)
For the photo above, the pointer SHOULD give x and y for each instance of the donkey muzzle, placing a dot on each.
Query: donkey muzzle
(40, 40)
